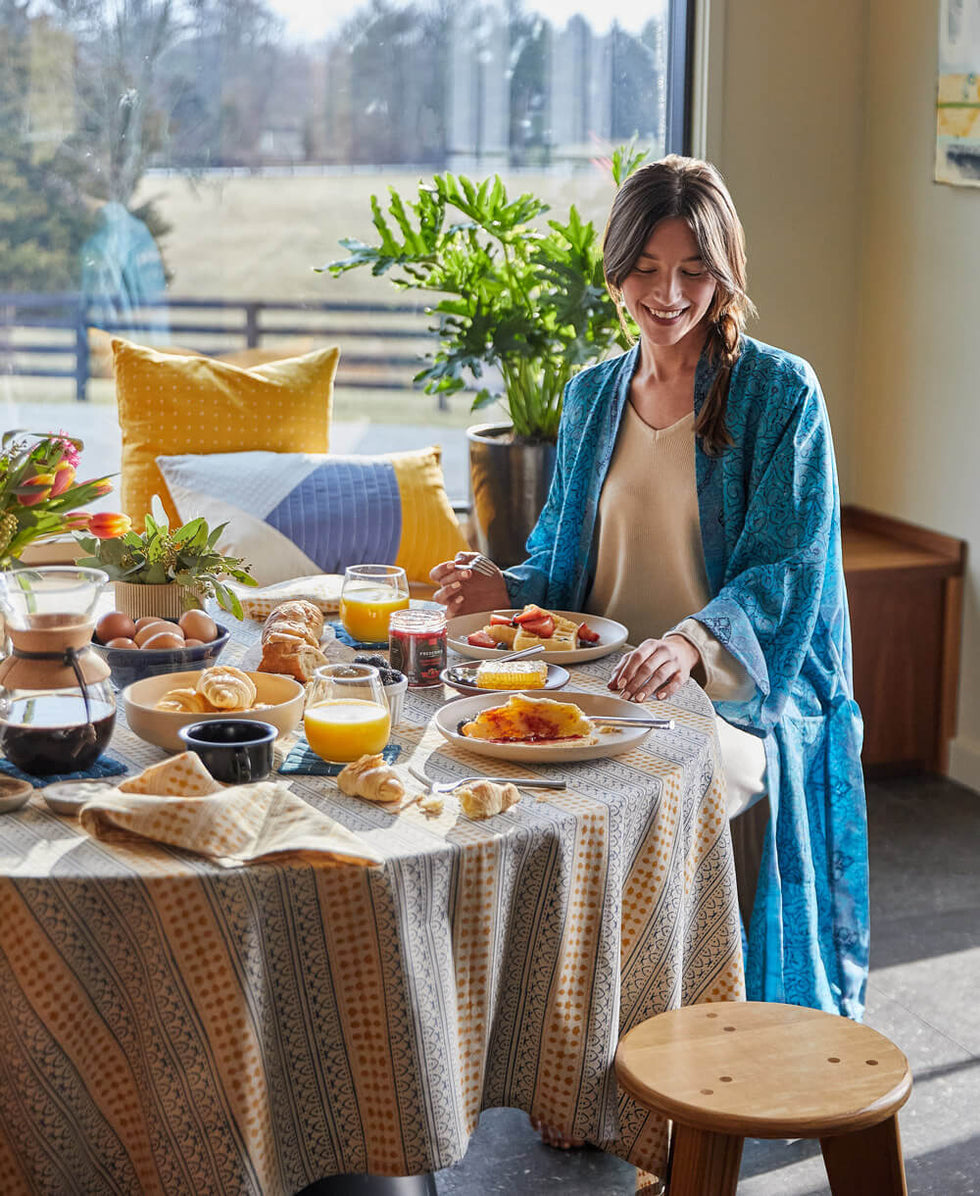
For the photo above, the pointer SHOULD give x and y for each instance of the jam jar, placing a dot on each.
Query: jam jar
(417, 645)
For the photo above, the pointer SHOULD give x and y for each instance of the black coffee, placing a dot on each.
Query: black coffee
(49, 733)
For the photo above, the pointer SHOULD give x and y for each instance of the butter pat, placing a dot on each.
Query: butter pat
(512, 674)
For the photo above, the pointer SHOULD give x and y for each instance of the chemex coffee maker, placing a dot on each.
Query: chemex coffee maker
(57, 709)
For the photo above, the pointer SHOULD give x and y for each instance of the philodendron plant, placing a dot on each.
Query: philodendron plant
(528, 300)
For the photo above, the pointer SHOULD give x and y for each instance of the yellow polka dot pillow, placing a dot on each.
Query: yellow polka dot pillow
(303, 513)
(171, 404)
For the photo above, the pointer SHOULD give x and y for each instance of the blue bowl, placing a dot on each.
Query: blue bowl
(133, 664)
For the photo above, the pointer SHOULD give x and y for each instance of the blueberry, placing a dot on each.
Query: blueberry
(378, 662)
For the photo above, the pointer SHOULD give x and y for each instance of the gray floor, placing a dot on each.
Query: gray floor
(925, 977)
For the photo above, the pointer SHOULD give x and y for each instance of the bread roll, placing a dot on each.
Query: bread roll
(291, 638)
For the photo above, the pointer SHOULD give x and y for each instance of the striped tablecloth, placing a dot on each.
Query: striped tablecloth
(168, 1026)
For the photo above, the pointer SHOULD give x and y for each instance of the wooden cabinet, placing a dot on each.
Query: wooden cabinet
(904, 590)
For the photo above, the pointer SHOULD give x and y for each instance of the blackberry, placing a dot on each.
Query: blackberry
(378, 662)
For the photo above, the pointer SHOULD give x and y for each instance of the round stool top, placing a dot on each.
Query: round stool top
(763, 1070)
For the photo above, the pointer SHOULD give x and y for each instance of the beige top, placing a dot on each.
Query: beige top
(650, 572)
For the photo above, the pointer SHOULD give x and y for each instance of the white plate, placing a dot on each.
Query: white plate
(557, 677)
(610, 743)
(612, 635)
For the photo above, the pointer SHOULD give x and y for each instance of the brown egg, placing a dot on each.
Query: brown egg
(122, 641)
(151, 629)
(146, 620)
(115, 625)
(199, 626)
(164, 639)
(192, 643)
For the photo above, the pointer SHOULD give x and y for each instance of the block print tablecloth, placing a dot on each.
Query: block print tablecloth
(168, 1026)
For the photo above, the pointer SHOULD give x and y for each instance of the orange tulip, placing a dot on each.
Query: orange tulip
(102, 486)
(108, 525)
(40, 491)
(64, 475)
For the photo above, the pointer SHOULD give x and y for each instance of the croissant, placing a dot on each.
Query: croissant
(371, 778)
(483, 799)
(227, 688)
(184, 700)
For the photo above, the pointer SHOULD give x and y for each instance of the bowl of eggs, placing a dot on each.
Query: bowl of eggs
(149, 647)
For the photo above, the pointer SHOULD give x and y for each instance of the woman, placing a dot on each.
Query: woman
(695, 500)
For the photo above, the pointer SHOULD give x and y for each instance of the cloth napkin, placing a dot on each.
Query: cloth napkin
(302, 759)
(105, 766)
(322, 589)
(240, 825)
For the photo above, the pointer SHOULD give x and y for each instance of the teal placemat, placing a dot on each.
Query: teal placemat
(303, 759)
(105, 766)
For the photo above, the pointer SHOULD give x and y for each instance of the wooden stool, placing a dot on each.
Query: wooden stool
(729, 1071)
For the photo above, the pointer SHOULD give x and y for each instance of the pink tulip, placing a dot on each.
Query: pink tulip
(64, 475)
(40, 491)
(76, 521)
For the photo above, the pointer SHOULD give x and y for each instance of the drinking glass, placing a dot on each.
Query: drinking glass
(369, 594)
(347, 714)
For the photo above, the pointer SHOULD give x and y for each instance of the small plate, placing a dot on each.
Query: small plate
(610, 743)
(67, 797)
(14, 793)
(557, 677)
(612, 635)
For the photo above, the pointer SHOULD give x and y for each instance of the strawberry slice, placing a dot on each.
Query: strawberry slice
(480, 639)
(543, 628)
(531, 614)
(501, 620)
(586, 635)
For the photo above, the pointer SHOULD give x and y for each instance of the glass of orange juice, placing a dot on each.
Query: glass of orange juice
(369, 595)
(346, 713)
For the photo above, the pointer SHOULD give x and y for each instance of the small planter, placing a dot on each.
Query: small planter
(166, 602)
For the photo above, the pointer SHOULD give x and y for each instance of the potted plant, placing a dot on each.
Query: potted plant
(526, 302)
(163, 572)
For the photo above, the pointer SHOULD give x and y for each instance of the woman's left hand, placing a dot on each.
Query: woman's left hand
(656, 668)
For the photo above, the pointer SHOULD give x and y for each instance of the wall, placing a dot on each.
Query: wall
(916, 429)
(782, 119)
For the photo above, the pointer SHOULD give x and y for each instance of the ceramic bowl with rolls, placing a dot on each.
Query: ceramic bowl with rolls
(156, 708)
(152, 647)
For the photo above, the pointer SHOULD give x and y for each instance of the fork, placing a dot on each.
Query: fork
(449, 786)
(479, 564)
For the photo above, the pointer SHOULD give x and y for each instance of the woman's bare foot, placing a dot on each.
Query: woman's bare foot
(552, 1137)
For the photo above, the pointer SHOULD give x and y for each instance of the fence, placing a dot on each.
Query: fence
(38, 332)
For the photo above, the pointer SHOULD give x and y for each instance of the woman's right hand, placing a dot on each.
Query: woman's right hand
(464, 591)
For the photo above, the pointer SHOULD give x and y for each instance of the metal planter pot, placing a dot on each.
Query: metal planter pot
(508, 485)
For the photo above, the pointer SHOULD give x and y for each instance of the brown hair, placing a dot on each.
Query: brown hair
(695, 191)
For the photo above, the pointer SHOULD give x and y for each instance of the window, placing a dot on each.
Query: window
(174, 171)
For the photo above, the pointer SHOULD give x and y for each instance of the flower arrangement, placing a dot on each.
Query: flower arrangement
(157, 556)
(39, 495)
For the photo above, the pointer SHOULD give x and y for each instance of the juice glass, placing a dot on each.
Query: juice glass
(369, 595)
(346, 714)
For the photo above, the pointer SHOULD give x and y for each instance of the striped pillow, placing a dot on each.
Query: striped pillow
(292, 514)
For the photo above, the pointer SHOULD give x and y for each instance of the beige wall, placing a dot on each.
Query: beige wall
(821, 116)
(916, 431)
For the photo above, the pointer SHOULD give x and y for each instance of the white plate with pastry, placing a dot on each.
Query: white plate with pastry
(525, 714)
(510, 637)
(272, 698)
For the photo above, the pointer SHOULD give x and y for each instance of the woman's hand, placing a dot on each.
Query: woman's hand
(463, 590)
(657, 667)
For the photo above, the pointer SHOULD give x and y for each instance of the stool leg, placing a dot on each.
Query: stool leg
(866, 1161)
(704, 1164)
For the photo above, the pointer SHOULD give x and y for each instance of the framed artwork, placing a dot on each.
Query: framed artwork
(958, 94)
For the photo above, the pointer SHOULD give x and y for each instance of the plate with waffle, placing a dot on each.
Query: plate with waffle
(566, 636)
(530, 727)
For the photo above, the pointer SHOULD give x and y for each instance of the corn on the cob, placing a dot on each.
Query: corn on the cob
(512, 674)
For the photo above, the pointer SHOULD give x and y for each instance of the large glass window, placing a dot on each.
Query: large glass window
(173, 170)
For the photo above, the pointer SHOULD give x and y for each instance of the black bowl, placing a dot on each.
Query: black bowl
(133, 664)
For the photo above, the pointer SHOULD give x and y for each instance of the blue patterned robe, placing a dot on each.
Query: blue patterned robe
(770, 524)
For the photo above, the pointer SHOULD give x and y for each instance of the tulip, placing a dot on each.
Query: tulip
(76, 521)
(64, 475)
(108, 525)
(102, 486)
(40, 489)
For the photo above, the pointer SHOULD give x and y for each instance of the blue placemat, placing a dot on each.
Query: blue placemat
(345, 637)
(302, 759)
(105, 766)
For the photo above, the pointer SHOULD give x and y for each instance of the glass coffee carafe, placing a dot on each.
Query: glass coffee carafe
(57, 709)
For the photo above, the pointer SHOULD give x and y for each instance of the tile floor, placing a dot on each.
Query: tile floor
(925, 977)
